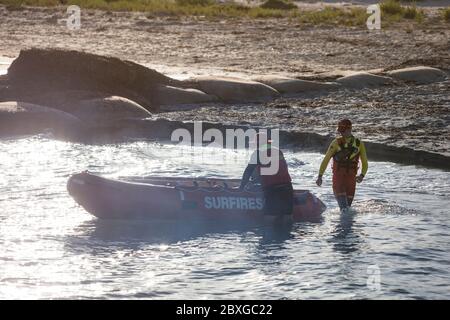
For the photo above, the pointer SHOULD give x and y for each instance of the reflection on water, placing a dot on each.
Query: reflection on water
(344, 238)
(140, 233)
(51, 248)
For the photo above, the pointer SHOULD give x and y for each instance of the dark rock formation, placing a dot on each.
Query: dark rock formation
(38, 74)
(162, 129)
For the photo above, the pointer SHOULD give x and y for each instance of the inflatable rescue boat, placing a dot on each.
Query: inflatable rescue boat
(170, 198)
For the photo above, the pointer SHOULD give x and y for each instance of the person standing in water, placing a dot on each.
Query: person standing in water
(346, 151)
(277, 187)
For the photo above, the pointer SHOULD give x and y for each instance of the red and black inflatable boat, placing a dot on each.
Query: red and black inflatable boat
(164, 198)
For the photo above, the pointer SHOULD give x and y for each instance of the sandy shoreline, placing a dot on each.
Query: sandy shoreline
(248, 46)
(402, 115)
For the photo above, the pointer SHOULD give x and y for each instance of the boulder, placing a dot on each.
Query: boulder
(293, 86)
(168, 95)
(234, 90)
(39, 71)
(361, 80)
(107, 110)
(53, 99)
(21, 118)
(419, 75)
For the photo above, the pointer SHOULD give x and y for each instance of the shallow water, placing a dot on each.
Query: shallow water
(51, 248)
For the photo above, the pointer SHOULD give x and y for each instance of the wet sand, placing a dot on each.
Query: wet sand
(400, 115)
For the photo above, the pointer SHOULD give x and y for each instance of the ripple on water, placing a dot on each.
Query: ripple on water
(54, 249)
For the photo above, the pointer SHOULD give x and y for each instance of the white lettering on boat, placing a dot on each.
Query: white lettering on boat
(230, 203)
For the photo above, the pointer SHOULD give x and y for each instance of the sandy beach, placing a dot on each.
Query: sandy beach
(241, 46)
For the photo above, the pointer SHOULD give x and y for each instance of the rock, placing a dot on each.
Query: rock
(101, 111)
(234, 90)
(54, 99)
(39, 71)
(361, 80)
(278, 5)
(420, 75)
(168, 95)
(21, 118)
(293, 86)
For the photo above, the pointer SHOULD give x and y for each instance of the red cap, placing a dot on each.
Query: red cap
(343, 125)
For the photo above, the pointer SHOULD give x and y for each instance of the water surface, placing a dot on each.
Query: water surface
(51, 248)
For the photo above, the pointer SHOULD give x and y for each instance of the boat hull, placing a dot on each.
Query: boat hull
(179, 198)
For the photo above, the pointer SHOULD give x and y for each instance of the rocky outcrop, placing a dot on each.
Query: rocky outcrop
(170, 96)
(89, 98)
(362, 80)
(291, 86)
(375, 151)
(21, 118)
(162, 129)
(40, 72)
(418, 75)
(105, 111)
(234, 90)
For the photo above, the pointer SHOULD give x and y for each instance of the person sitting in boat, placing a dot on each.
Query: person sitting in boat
(277, 186)
(346, 152)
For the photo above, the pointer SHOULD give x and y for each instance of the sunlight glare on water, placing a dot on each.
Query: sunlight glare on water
(52, 248)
